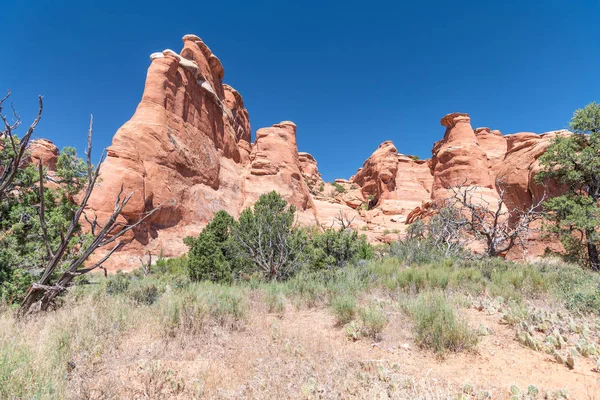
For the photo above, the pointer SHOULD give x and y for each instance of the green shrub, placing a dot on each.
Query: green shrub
(265, 243)
(338, 188)
(275, 299)
(117, 283)
(336, 248)
(14, 286)
(145, 293)
(227, 306)
(373, 320)
(578, 288)
(170, 266)
(21, 377)
(183, 313)
(416, 251)
(352, 280)
(437, 327)
(309, 287)
(193, 309)
(344, 308)
(210, 256)
(267, 239)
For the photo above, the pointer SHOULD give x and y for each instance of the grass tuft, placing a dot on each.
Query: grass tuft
(373, 319)
(437, 327)
(343, 308)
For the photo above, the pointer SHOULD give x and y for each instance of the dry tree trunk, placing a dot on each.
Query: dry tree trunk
(491, 223)
(42, 293)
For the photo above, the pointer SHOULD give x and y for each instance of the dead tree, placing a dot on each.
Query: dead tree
(57, 277)
(499, 228)
(13, 149)
(340, 219)
(343, 220)
(447, 230)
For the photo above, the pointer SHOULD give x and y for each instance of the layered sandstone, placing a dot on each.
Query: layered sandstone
(310, 172)
(458, 159)
(521, 165)
(275, 165)
(393, 185)
(43, 150)
(187, 148)
(494, 145)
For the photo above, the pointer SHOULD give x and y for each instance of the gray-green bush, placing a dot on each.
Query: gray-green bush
(437, 327)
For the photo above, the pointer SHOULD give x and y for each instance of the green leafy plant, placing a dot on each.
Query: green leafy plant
(118, 283)
(336, 248)
(145, 293)
(265, 235)
(212, 256)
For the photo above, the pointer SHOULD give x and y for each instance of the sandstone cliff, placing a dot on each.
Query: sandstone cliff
(187, 148)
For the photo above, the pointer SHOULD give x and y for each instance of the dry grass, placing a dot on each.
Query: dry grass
(52, 356)
(437, 325)
(164, 338)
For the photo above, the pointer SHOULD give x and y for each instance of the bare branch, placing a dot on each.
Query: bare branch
(496, 226)
(10, 171)
(42, 212)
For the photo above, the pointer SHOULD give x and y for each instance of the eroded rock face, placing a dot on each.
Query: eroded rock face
(378, 174)
(310, 172)
(179, 150)
(275, 166)
(494, 145)
(392, 185)
(45, 151)
(520, 166)
(458, 158)
(480, 158)
(187, 148)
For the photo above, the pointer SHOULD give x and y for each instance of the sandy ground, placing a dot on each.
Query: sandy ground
(304, 355)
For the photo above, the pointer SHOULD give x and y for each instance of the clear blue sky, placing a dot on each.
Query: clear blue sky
(350, 74)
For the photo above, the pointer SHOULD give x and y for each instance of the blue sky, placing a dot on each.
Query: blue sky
(350, 74)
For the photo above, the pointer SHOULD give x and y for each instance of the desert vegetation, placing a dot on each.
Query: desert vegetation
(407, 297)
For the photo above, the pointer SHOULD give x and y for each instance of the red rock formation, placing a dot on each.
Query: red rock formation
(275, 166)
(179, 149)
(45, 151)
(378, 174)
(237, 114)
(494, 145)
(187, 148)
(393, 185)
(458, 157)
(310, 172)
(520, 166)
